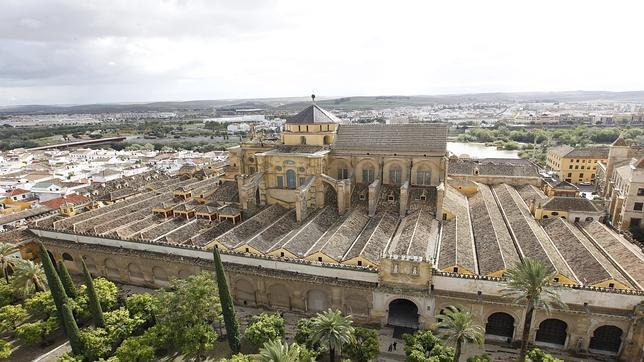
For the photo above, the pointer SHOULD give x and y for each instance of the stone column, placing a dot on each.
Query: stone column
(632, 350)
(440, 195)
(374, 192)
(404, 198)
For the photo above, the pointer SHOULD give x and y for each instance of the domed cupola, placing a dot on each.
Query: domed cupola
(312, 126)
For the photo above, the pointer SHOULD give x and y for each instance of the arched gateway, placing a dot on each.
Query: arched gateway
(403, 313)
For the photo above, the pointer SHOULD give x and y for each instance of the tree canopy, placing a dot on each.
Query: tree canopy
(264, 327)
(187, 310)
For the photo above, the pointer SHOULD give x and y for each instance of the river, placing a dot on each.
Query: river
(479, 150)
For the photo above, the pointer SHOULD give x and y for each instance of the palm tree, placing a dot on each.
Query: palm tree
(28, 276)
(532, 283)
(332, 330)
(7, 258)
(277, 351)
(459, 328)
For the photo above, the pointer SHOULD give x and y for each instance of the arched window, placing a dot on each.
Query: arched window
(606, 338)
(395, 175)
(290, 179)
(552, 331)
(368, 174)
(67, 257)
(424, 177)
(500, 325)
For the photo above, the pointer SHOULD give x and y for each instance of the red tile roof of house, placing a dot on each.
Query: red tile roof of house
(73, 199)
(16, 192)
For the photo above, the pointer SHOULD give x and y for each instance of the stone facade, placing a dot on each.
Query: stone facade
(408, 282)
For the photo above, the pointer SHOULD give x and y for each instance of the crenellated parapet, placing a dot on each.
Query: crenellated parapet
(408, 271)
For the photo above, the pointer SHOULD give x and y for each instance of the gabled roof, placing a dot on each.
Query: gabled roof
(313, 114)
(570, 204)
(413, 137)
(73, 199)
(619, 141)
(565, 185)
(46, 184)
(16, 192)
(582, 152)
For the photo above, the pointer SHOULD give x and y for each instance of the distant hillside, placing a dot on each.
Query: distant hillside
(292, 104)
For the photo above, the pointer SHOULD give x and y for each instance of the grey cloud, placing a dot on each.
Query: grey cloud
(67, 20)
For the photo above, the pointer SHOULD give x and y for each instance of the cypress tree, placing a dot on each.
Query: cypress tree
(94, 304)
(55, 285)
(68, 283)
(227, 308)
(71, 329)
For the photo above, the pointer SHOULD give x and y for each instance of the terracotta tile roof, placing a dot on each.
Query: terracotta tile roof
(530, 237)
(457, 243)
(415, 137)
(493, 167)
(587, 269)
(623, 254)
(570, 204)
(16, 192)
(494, 245)
(580, 152)
(73, 199)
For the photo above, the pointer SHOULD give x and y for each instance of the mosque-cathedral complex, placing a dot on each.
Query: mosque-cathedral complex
(375, 220)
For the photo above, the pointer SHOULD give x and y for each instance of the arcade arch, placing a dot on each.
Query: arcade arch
(403, 313)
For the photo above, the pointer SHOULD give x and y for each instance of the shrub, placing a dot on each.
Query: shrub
(365, 346)
(11, 316)
(7, 293)
(96, 343)
(120, 325)
(537, 355)
(107, 295)
(264, 327)
(420, 345)
(238, 358)
(304, 332)
(6, 348)
(41, 305)
(135, 349)
(482, 358)
(36, 332)
(142, 306)
(69, 357)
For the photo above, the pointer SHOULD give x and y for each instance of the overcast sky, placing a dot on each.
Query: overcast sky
(85, 51)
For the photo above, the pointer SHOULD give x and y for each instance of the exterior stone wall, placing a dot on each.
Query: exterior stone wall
(367, 295)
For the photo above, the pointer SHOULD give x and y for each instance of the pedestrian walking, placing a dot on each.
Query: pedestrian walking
(390, 347)
(395, 343)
